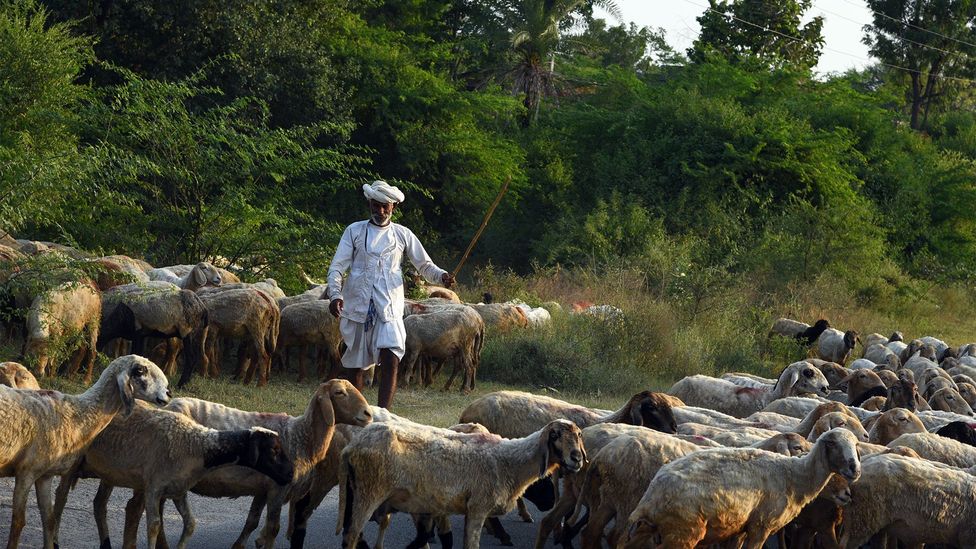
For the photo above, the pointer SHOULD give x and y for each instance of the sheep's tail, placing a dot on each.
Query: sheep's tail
(346, 494)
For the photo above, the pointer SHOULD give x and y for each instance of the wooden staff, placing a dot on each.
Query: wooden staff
(481, 229)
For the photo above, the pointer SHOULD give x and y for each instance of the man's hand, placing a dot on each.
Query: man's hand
(335, 307)
(447, 280)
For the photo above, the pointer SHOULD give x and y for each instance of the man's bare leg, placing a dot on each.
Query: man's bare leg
(354, 376)
(389, 364)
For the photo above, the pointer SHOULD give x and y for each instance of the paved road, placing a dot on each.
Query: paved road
(219, 522)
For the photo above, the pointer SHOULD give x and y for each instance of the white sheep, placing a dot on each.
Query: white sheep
(938, 448)
(514, 414)
(729, 398)
(160, 454)
(714, 495)
(915, 500)
(472, 475)
(787, 327)
(46, 431)
(67, 313)
(305, 438)
(835, 345)
(200, 275)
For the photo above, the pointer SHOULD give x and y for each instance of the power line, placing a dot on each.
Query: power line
(864, 25)
(801, 40)
(906, 23)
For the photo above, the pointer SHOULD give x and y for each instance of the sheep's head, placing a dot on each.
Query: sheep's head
(960, 431)
(347, 403)
(903, 393)
(265, 455)
(838, 490)
(839, 420)
(888, 377)
(652, 411)
(968, 392)
(948, 399)
(896, 336)
(13, 374)
(840, 447)
(851, 338)
(138, 378)
(205, 274)
(803, 377)
(836, 375)
(860, 381)
(894, 423)
(821, 324)
(561, 445)
(787, 444)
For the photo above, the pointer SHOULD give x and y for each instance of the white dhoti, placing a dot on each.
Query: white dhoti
(363, 348)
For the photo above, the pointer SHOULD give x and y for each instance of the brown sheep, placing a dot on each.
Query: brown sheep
(307, 325)
(247, 314)
(17, 376)
(891, 424)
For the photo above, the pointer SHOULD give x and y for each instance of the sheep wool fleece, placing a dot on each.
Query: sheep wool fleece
(372, 316)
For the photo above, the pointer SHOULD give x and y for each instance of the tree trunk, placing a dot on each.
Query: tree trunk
(916, 100)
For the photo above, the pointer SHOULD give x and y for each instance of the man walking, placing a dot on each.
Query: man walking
(370, 307)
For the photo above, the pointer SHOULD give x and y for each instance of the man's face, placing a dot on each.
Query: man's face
(380, 212)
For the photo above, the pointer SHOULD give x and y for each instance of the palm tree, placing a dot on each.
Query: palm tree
(536, 34)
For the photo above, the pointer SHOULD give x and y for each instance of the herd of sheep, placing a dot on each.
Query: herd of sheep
(834, 452)
(199, 312)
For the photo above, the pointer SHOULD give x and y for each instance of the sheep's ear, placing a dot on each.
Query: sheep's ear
(125, 391)
(199, 276)
(792, 378)
(544, 453)
(635, 415)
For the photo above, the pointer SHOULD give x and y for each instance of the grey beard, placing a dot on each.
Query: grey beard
(379, 220)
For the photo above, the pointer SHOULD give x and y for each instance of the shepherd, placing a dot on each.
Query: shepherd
(370, 306)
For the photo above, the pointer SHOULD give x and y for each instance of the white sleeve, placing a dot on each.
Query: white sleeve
(421, 261)
(341, 262)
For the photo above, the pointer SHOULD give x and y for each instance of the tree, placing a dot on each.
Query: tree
(932, 40)
(40, 164)
(216, 181)
(535, 33)
(769, 31)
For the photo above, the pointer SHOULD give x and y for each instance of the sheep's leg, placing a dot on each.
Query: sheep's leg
(42, 488)
(74, 363)
(304, 508)
(272, 520)
(523, 511)
(154, 504)
(384, 523)
(22, 486)
(473, 523)
(562, 510)
(302, 351)
(61, 499)
(133, 513)
(100, 508)
(494, 527)
(592, 534)
(251, 523)
(189, 523)
(450, 380)
(444, 533)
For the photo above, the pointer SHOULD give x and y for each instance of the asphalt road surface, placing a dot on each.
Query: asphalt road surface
(219, 523)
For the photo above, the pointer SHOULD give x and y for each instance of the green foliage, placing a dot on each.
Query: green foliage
(930, 42)
(216, 182)
(757, 29)
(40, 164)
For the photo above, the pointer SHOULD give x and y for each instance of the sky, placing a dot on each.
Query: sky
(843, 23)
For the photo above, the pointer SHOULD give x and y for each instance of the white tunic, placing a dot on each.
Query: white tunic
(373, 256)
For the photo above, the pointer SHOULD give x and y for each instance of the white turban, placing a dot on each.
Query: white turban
(381, 191)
